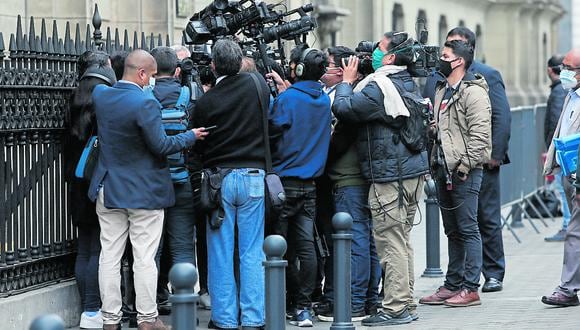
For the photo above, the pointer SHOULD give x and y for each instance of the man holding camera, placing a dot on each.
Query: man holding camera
(462, 132)
(235, 152)
(394, 172)
(300, 128)
(489, 203)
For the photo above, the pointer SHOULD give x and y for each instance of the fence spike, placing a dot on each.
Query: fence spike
(50, 46)
(167, 43)
(66, 39)
(19, 41)
(135, 40)
(83, 47)
(125, 40)
(88, 38)
(151, 41)
(43, 41)
(97, 24)
(26, 44)
(159, 40)
(12, 43)
(1, 43)
(143, 41)
(61, 47)
(108, 41)
(32, 35)
(38, 46)
(183, 38)
(54, 37)
(78, 39)
(117, 40)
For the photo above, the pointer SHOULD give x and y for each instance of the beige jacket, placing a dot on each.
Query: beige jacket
(465, 124)
(550, 164)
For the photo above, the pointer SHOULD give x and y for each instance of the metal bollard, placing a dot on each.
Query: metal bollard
(275, 267)
(183, 277)
(432, 231)
(342, 238)
(47, 322)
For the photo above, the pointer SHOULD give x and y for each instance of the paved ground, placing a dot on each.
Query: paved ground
(533, 269)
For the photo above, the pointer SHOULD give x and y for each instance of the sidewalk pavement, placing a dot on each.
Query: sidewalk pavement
(533, 270)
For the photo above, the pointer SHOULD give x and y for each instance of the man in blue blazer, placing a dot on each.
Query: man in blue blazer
(489, 208)
(132, 186)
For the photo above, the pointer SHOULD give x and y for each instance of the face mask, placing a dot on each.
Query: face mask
(568, 79)
(445, 67)
(377, 58)
(149, 87)
(152, 82)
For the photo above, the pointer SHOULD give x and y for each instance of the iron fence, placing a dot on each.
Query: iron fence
(37, 76)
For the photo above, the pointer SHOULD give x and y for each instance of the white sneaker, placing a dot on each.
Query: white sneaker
(205, 301)
(91, 322)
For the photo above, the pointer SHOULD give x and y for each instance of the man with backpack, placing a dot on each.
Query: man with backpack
(177, 239)
(393, 159)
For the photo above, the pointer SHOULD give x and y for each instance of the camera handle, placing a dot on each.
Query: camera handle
(264, 56)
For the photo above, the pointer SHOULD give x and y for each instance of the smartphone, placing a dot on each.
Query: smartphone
(210, 128)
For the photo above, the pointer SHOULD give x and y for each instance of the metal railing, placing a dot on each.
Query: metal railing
(37, 238)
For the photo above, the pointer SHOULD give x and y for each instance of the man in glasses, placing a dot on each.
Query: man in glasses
(566, 293)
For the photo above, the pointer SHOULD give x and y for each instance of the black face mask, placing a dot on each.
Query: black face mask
(445, 67)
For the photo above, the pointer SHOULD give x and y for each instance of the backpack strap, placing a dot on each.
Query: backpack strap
(183, 100)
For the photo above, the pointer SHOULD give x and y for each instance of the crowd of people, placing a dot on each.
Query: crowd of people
(338, 140)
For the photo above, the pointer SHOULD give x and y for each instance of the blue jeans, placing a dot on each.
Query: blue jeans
(243, 203)
(565, 209)
(365, 266)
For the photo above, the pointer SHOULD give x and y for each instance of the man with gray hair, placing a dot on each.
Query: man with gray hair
(235, 149)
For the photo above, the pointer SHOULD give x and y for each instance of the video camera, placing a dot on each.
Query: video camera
(364, 51)
(255, 20)
(425, 58)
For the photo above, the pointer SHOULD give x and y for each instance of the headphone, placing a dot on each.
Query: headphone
(301, 67)
(97, 75)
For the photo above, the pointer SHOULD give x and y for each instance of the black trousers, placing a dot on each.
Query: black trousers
(489, 220)
(296, 224)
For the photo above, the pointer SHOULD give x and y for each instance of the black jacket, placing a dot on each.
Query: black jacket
(553, 110)
(383, 157)
(232, 105)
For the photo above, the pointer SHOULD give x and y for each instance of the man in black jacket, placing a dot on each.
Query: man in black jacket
(489, 203)
(394, 172)
(553, 111)
(236, 146)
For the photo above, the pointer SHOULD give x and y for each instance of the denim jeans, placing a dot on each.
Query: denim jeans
(179, 225)
(243, 203)
(563, 200)
(296, 224)
(87, 266)
(365, 266)
(459, 211)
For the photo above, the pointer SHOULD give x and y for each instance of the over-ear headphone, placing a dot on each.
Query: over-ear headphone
(301, 67)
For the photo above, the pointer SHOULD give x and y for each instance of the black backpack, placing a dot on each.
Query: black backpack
(414, 132)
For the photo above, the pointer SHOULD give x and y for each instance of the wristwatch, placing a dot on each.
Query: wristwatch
(461, 175)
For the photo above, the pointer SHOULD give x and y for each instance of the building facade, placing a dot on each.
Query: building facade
(514, 36)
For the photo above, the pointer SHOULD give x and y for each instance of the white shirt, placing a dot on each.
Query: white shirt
(568, 113)
(220, 78)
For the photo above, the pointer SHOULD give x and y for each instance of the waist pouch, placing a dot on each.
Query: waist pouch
(211, 194)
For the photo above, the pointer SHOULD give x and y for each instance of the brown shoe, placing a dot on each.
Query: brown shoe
(463, 299)
(438, 297)
(157, 325)
(112, 326)
(560, 299)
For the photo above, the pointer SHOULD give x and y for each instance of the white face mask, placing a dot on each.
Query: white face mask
(152, 82)
(568, 79)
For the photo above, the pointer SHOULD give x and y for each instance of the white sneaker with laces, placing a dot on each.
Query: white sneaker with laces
(205, 301)
(91, 322)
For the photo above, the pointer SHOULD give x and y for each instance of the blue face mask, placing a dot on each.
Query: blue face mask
(568, 79)
(377, 58)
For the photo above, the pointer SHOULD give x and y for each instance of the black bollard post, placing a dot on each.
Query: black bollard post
(183, 277)
(342, 238)
(432, 231)
(275, 267)
(47, 322)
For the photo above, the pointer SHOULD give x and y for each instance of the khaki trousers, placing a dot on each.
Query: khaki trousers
(143, 227)
(392, 224)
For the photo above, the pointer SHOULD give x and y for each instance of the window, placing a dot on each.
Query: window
(443, 29)
(422, 19)
(184, 8)
(398, 18)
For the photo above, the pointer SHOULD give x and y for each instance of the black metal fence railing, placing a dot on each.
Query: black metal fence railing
(37, 76)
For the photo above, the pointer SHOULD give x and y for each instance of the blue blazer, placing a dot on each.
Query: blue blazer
(501, 116)
(132, 165)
